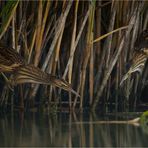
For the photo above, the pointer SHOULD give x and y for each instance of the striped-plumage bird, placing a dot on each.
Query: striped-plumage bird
(140, 55)
(31, 74)
(12, 62)
(137, 64)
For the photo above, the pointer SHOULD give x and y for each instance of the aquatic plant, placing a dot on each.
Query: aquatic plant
(87, 43)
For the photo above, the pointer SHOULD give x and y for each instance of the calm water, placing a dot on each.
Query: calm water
(34, 129)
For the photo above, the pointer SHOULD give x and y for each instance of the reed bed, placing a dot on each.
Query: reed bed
(87, 43)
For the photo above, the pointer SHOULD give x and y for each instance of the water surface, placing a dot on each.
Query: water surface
(68, 130)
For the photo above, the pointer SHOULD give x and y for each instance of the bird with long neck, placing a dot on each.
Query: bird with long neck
(140, 55)
(32, 74)
(11, 62)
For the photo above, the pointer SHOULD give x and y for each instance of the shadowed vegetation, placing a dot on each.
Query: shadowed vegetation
(88, 44)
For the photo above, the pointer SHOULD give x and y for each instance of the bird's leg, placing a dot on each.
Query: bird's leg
(7, 82)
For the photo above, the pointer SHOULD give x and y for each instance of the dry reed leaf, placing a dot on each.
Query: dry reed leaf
(107, 34)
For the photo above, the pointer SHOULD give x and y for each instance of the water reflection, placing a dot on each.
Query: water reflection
(69, 130)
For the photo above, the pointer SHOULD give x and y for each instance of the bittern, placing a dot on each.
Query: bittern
(12, 62)
(31, 74)
(140, 55)
(137, 64)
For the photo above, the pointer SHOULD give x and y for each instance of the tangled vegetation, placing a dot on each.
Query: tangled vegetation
(87, 43)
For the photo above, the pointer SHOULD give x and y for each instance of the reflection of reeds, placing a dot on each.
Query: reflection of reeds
(34, 129)
(66, 38)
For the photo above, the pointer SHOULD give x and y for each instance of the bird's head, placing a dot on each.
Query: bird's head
(142, 41)
(61, 83)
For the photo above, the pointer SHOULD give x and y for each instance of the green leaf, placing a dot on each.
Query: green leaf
(7, 15)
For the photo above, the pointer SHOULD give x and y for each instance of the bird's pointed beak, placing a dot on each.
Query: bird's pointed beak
(124, 78)
(61, 83)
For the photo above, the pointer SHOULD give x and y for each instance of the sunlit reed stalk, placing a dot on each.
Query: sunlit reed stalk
(87, 43)
(87, 51)
(73, 38)
(61, 23)
(113, 62)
